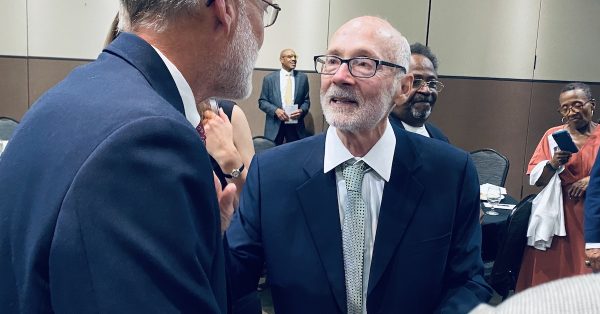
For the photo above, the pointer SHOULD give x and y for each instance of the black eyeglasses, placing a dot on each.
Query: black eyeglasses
(363, 67)
(271, 11)
(433, 85)
(564, 109)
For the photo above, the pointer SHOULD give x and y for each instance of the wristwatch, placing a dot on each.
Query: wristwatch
(235, 173)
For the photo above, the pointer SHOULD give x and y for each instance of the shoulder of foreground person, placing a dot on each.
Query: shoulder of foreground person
(577, 294)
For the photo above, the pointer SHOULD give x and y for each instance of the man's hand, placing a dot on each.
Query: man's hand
(578, 188)
(228, 201)
(281, 115)
(296, 114)
(593, 255)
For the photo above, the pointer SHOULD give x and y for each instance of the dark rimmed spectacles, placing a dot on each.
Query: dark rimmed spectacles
(433, 85)
(566, 108)
(271, 11)
(363, 67)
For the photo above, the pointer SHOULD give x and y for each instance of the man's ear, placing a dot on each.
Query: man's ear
(225, 14)
(403, 92)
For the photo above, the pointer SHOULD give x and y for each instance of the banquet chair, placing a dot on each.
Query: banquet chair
(505, 270)
(262, 143)
(492, 167)
(7, 126)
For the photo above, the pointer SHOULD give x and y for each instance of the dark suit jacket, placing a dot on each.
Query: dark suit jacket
(592, 206)
(427, 249)
(270, 100)
(108, 202)
(433, 131)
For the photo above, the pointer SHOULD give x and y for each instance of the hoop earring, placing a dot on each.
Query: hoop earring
(563, 120)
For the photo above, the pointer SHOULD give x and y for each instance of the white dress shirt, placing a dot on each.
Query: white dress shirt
(379, 159)
(419, 129)
(185, 91)
(283, 75)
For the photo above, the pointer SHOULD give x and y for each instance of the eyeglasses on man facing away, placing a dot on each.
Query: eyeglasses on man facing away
(271, 10)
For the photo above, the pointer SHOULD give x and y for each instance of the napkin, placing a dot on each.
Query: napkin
(483, 191)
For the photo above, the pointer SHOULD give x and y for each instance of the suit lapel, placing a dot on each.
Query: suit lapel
(277, 88)
(296, 86)
(318, 199)
(143, 57)
(401, 197)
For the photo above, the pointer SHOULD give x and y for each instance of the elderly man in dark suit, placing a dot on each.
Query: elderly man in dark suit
(366, 217)
(286, 88)
(108, 202)
(412, 115)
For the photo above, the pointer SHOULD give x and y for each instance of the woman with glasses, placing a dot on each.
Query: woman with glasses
(568, 174)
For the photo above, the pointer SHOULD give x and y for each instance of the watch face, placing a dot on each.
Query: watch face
(236, 173)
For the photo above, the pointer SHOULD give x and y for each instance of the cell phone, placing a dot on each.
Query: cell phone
(564, 141)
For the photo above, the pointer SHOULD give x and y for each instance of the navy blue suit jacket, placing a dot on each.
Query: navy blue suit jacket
(427, 248)
(592, 206)
(108, 203)
(270, 100)
(433, 130)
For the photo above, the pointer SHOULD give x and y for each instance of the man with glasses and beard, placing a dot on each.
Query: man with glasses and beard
(412, 115)
(366, 217)
(108, 200)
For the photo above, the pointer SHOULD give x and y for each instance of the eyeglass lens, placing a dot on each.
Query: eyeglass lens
(358, 67)
(432, 84)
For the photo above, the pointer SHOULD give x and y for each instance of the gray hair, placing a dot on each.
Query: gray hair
(401, 53)
(153, 14)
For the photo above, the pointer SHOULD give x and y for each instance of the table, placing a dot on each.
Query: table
(492, 228)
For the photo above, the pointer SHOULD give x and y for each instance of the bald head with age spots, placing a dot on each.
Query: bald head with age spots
(362, 104)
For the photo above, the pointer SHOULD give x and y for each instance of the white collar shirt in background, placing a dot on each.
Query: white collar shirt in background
(283, 75)
(419, 130)
(379, 159)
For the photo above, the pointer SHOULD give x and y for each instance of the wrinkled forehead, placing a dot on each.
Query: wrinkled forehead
(369, 37)
(572, 96)
(287, 53)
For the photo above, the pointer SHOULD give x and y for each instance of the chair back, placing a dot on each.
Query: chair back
(492, 167)
(510, 251)
(7, 127)
(262, 143)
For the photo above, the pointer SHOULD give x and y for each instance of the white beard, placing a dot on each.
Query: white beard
(235, 73)
(363, 116)
(420, 115)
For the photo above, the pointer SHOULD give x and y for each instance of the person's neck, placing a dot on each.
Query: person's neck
(360, 142)
(185, 54)
(586, 129)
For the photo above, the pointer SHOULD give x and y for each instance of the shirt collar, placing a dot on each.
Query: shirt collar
(416, 129)
(283, 72)
(185, 91)
(379, 158)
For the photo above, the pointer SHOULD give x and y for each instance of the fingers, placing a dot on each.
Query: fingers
(562, 157)
(227, 203)
(593, 256)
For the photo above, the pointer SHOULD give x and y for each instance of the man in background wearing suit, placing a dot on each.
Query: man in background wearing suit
(412, 115)
(286, 88)
(108, 201)
(365, 217)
